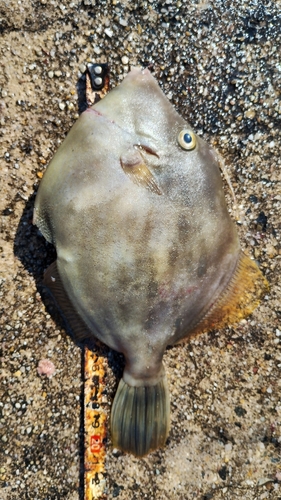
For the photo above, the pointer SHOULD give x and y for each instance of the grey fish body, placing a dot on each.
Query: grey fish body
(145, 245)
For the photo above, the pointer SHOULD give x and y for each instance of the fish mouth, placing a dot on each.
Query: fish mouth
(137, 72)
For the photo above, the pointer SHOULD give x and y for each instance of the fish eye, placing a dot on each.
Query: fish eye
(187, 139)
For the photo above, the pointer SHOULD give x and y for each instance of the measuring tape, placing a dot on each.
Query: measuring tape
(94, 426)
(95, 403)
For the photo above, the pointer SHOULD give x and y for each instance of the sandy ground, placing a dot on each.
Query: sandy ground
(219, 63)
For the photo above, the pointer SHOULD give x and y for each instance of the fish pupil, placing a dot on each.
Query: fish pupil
(187, 138)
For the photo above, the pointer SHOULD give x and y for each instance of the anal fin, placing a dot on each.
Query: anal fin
(53, 282)
(242, 295)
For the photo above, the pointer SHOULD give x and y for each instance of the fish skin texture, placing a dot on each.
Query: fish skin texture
(145, 246)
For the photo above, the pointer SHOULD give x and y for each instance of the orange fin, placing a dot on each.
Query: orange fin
(135, 167)
(242, 295)
(77, 326)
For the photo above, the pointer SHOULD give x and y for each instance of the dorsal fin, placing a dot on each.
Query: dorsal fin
(77, 326)
(134, 166)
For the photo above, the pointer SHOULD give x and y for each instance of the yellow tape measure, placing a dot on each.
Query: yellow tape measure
(94, 426)
(97, 85)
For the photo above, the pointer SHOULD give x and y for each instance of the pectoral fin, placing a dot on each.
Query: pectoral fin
(134, 166)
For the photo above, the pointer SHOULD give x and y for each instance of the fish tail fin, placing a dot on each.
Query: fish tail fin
(140, 417)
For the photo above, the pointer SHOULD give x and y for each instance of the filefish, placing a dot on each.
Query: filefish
(147, 254)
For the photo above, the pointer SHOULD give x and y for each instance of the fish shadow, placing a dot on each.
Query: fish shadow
(36, 254)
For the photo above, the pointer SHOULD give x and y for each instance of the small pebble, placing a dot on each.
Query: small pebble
(108, 32)
(228, 448)
(123, 22)
(46, 367)
(125, 60)
(264, 480)
(250, 113)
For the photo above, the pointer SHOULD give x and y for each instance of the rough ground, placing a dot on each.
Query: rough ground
(219, 63)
